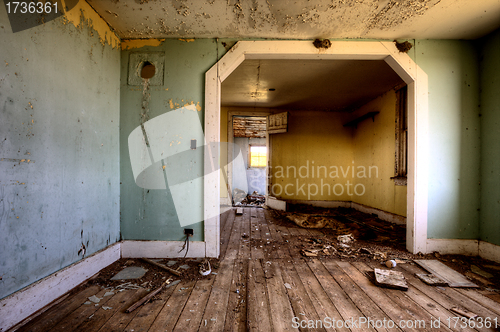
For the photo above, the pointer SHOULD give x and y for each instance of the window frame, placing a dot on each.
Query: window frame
(249, 163)
(401, 154)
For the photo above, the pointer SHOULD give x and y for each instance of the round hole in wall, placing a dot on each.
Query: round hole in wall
(148, 70)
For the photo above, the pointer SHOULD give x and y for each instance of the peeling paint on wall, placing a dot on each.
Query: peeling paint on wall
(128, 44)
(83, 12)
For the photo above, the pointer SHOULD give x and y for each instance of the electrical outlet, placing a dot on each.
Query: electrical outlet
(188, 231)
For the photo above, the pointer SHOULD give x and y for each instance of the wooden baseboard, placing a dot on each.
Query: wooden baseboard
(381, 214)
(161, 249)
(489, 251)
(275, 203)
(27, 301)
(278, 204)
(453, 246)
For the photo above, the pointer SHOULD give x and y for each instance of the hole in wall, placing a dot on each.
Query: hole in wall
(148, 70)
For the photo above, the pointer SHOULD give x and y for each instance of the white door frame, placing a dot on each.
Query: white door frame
(401, 63)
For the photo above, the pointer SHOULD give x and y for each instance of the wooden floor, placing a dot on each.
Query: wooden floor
(263, 283)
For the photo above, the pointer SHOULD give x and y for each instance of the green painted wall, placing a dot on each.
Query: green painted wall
(490, 138)
(454, 134)
(148, 214)
(59, 156)
(454, 137)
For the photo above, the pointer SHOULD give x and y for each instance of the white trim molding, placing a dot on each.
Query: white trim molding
(161, 249)
(280, 204)
(25, 302)
(489, 251)
(453, 246)
(401, 63)
(482, 249)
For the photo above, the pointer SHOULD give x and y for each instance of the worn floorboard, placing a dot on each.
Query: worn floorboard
(263, 283)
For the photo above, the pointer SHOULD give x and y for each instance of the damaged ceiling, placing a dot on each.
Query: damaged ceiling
(281, 19)
(326, 85)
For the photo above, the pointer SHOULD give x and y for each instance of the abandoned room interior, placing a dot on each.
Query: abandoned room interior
(250, 165)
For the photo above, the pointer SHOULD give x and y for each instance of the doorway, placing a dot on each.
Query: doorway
(413, 76)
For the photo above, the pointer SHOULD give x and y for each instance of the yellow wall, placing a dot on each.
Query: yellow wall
(374, 144)
(359, 162)
(314, 139)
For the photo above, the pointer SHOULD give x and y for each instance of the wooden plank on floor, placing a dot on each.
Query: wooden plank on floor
(297, 295)
(265, 234)
(449, 296)
(360, 299)
(234, 239)
(254, 222)
(319, 298)
(217, 304)
(70, 322)
(377, 294)
(147, 312)
(281, 309)
(256, 247)
(225, 233)
(452, 277)
(436, 295)
(258, 309)
(117, 302)
(244, 243)
(481, 299)
(120, 318)
(169, 314)
(276, 237)
(58, 312)
(236, 312)
(347, 309)
(405, 303)
(190, 318)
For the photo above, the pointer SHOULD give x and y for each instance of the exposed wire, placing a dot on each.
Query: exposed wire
(185, 245)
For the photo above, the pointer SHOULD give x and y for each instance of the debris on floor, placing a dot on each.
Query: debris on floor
(131, 272)
(464, 312)
(157, 263)
(475, 269)
(390, 279)
(254, 199)
(94, 299)
(238, 196)
(205, 268)
(391, 263)
(431, 279)
(450, 276)
(149, 296)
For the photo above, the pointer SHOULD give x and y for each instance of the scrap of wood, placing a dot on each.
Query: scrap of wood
(390, 279)
(452, 277)
(239, 211)
(464, 312)
(431, 279)
(150, 295)
(177, 273)
(309, 253)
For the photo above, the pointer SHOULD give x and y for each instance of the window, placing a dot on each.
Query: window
(258, 156)
(401, 137)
